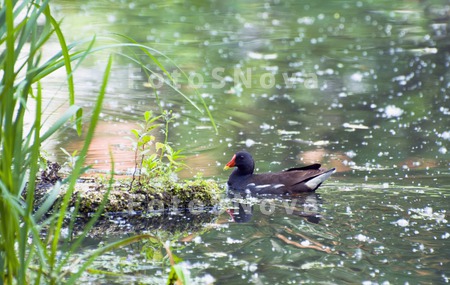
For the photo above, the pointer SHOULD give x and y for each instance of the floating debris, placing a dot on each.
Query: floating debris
(355, 126)
(401, 223)
(391, 111)
(257, 55)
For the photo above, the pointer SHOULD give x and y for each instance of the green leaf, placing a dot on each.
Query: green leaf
(49, 201)
(152, 127)
(146, 139)
(65, 152)
(77, 171)
(154, 119)
(169, 149)
(148, 115)
(159, 146)
(176, 258)
(177, 273)
(172, 278)
(135, 133)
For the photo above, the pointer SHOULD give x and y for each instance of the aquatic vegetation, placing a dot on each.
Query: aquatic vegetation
(162, 160)
(34, 248)
(156, 165)
(22, 246)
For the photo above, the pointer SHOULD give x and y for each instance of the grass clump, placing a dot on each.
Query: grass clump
(156, 165)
(154, 159)
(22, 244)
(32, 246)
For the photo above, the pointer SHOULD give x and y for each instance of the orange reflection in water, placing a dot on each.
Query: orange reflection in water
(114, 137)
(329, 160)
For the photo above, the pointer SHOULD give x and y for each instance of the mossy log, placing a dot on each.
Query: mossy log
(153, 196)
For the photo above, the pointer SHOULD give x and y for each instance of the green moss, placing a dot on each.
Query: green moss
(153, 195)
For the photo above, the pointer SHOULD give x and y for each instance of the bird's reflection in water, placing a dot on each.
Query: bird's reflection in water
(307, 205)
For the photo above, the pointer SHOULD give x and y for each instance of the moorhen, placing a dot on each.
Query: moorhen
(291, 181)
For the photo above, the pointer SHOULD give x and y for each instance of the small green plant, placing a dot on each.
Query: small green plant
(154, 249)
(71, 159)
(153, 158)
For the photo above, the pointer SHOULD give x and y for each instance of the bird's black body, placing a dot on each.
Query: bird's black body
(291, 181)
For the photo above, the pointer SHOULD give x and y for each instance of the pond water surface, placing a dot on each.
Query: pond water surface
(362, 86)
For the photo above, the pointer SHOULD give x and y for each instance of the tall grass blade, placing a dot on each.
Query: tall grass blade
(67, 64)
(60, 122)
(34, 168)
(52, 196)
(94, 218)
(156, 61)
(22, 245)
(78, 166)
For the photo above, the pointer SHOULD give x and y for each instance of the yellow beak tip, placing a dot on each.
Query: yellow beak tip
(226, 167)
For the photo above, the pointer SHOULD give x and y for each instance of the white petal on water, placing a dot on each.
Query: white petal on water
(257, 55)
(266, 126)
(208, 279)
(321, 143)
(232, 241)
(392, 111)
(403, 79)
(445, 135)
(305, 20)
(316, 265)
(348, 210)
(424, 51)
(358, 254)
(355, 126)
(357, 77)
(249, 142)
(198, 239)
(445, 111)
(284, 132)
(306, 243)
(351, 153)
(402, 223)
(362, 237)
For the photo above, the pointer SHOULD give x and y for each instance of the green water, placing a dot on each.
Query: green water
(357, 85)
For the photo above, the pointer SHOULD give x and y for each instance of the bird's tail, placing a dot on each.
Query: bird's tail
(316, 181)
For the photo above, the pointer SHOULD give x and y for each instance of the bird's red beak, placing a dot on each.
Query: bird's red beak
(230, 164)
